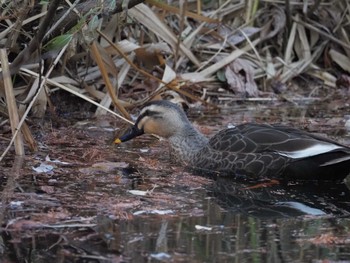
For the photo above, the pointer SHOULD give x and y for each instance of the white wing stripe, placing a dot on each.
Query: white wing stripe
(311, 151)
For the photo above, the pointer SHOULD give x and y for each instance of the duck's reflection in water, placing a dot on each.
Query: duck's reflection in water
(274, 198)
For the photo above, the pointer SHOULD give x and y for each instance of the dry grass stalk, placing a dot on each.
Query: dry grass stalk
(11, 103)
(146, 16)
(96, 54)
(176, 10)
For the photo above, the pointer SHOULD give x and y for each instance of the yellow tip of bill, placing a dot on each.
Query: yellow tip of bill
(117, 141)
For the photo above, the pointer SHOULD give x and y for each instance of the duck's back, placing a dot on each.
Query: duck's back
(276, 150)
(261, 138)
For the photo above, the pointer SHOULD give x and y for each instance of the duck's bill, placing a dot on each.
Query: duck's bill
(132, 133)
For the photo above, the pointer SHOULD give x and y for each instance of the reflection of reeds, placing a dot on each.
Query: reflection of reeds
(7, 192)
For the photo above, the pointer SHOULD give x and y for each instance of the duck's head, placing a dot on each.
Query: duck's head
(161, 118)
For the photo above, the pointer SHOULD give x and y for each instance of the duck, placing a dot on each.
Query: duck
(249, 150)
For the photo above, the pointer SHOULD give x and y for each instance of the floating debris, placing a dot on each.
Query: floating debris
(156, 211)
(161, 256)
(43, 168)
(205, 228)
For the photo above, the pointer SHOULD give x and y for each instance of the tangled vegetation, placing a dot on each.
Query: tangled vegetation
(213, 52)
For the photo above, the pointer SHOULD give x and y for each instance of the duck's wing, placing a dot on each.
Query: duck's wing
(286, 141)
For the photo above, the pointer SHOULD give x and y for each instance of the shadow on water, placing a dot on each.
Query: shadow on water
(85, 212)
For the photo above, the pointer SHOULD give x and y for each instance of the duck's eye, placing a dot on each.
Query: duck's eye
(147, 113)
(153, 114)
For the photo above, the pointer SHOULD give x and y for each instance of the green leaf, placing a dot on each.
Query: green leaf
(220, 74)
(58, 42)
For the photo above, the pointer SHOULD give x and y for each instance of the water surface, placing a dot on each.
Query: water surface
(132, 203)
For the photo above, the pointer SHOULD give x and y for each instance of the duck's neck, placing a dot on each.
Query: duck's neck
(187, 143)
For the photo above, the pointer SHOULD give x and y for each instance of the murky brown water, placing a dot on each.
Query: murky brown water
(130, 203)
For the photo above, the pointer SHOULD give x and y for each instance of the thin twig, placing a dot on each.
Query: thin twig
(57, 23)
(59, 85)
